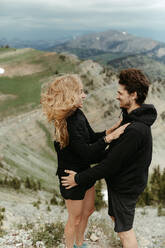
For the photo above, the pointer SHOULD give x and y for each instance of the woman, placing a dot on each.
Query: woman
(77, 146)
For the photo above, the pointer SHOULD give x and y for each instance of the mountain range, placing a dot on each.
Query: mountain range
(114, 49)
(119, 50)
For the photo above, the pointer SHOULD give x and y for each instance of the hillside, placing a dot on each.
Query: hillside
(26, 148)
(154, 69)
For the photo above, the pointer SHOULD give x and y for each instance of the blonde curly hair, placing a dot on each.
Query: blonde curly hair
(59, 101)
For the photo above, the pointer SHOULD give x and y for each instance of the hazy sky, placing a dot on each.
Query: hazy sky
(47, 19)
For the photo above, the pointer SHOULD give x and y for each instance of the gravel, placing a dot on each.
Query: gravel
(149, 228)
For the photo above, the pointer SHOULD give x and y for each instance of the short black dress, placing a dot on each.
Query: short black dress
(85, 148)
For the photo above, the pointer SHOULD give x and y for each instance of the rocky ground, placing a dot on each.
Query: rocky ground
(22, 217)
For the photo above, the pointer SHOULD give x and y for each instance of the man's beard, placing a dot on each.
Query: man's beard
(126, 105)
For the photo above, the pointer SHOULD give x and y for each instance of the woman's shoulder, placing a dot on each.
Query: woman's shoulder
(77, 116)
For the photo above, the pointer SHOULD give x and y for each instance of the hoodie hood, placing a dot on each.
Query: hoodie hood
(146, 114)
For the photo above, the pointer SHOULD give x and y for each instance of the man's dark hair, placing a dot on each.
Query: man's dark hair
(135, 81)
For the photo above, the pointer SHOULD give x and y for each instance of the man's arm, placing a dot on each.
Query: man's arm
(127, 147)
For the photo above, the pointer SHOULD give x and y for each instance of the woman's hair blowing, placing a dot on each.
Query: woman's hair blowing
(59, 101)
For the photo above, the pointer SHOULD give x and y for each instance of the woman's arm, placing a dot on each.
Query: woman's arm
(78, 143)
(89, 152)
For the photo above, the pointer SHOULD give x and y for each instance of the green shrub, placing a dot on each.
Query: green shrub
(14, 182)
(99, 201)
(2, 215)
(27, 226)
(160, 210)
(53, 200)
(51, 234)
(30, 183)
(62, 202)
(48, 208)
(37, 204)
(154, 194)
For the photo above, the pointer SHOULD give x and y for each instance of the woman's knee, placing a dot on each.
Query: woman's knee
(88, 212)
(75, 219)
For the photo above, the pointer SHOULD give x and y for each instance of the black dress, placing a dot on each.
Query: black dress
(85, 148)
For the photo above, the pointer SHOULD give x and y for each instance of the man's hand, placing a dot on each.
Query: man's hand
(68, 182)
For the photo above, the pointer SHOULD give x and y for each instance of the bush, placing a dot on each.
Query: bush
(11, 182)
(154, 194)
(62, 202)
(53, 200)
(16, 183)
(2, 211)
(51, 234)
(37, 204)
(48, 208)
(99, 202)
(31, 184)
(160, 210)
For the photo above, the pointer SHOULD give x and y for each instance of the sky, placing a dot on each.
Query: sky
(50, 19)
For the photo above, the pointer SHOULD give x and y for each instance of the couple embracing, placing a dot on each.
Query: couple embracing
(123, 153)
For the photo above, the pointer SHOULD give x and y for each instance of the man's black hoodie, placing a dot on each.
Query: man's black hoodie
(125, 167)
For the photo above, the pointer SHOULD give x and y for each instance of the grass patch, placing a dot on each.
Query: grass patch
(26, 56)
(26, 89)
(56, 63)
(4, 50)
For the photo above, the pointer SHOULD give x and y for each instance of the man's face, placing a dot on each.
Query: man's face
(125, 99)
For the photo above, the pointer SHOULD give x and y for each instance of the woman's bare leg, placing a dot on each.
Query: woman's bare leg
(88, 209)
(74, 208)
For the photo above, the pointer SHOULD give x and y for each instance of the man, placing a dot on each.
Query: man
(125, 167)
